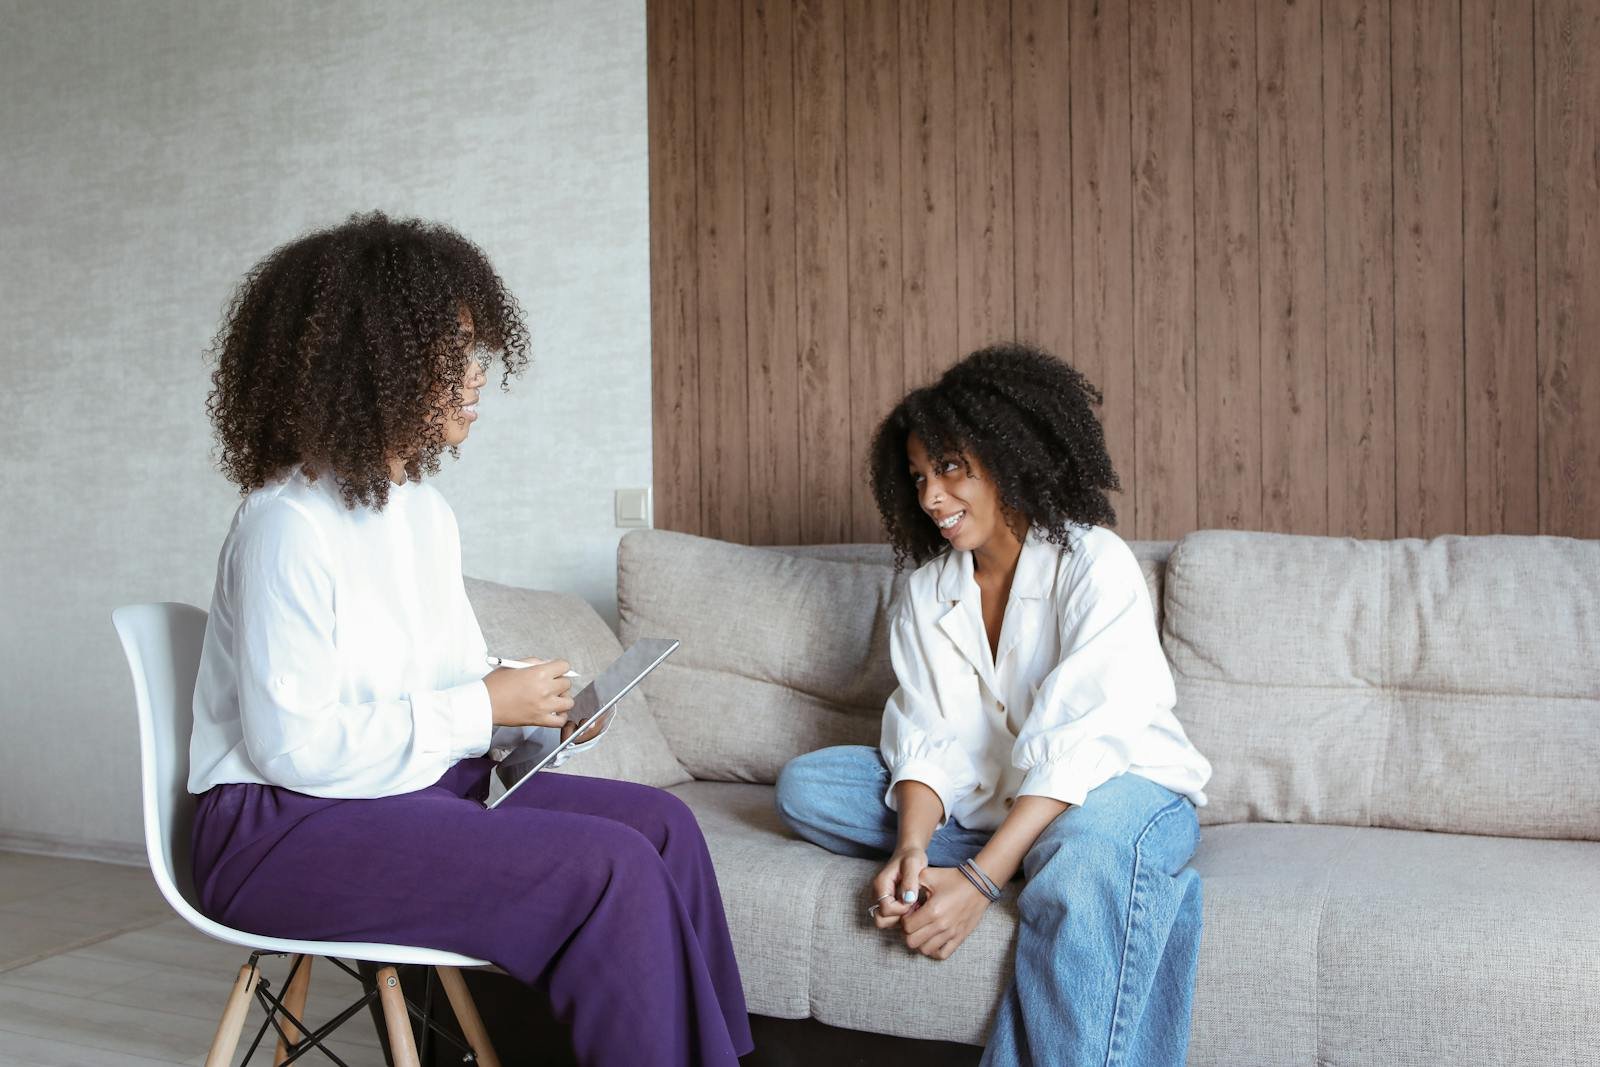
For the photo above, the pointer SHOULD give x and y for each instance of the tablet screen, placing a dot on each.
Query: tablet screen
(594, 708)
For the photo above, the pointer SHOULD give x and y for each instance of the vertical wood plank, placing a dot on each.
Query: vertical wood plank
(928, 188)
(1430, 446)
(1162, 142)
(674, 299)
(1227, 267)
(719, 171)
(769, 226)
(1042, 153)
(1294, 368)
(1567, 134)
(872, 184)
(1359, 177)
(1102, 230)
(822, 272)
(1501, 335)
(984, 247)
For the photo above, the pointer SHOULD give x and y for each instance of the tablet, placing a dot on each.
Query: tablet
(593, 709)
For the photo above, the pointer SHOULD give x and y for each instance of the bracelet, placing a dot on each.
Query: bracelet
(990, 882)
(980, 881)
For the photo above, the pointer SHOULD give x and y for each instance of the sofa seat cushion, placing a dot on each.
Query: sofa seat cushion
(1323, 944)
(1353, 945)
(805, 945)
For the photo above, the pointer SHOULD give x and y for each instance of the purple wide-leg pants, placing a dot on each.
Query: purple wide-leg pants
(600, 892)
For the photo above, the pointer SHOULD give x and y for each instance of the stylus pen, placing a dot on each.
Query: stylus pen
(517, 664)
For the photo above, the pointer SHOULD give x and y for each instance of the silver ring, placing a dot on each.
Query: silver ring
(873, 911)
(886, 896)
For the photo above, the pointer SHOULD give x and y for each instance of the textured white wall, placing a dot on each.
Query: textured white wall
(149, 154)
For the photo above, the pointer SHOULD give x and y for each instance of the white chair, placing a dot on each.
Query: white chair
(162, 643)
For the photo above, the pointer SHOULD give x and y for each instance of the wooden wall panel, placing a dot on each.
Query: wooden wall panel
(1568, 137)
(1294, 369)
(769, 226)
(1430, 440)
(719, 247)
(1102, 229)
(1042, 152)
(1163, 269)
(822, 272)
(674, 267)
(872, 187)
(1227, 267)
(1501, 338)
(928, 189)
(985, 288)
(1331, 263)
(1359, 286)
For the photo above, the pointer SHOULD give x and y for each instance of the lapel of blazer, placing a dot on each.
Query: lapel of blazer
(962, 620)
(1036, 572)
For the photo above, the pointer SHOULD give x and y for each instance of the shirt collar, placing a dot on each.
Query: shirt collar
(1036, 571)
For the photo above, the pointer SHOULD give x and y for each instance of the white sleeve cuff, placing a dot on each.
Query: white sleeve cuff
(929, 774)
(1070, 780)
(463, 725)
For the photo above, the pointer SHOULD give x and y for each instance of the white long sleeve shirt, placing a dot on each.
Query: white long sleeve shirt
(341, 656)
(1078, 692)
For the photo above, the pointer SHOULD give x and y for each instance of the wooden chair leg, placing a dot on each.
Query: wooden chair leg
(294, 999)
(232, 1022)
(472, 1028)
(402, 1044)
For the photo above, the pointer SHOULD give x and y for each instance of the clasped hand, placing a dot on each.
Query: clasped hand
(531, 696)
(944, 908)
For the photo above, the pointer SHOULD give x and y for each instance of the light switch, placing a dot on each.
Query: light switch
(633, 507)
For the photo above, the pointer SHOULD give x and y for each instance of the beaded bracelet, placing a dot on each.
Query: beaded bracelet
(980, 881)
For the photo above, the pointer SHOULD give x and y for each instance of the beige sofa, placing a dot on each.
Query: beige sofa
(1400, 856)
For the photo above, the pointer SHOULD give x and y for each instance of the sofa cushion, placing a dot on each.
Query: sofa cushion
(781, 654)
(520, 622)
(1450, 684)
(1332, 944)
(784, 650)
(1322, 944)
(770, 883)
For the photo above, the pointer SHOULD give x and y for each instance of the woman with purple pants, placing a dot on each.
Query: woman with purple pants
(343, 706)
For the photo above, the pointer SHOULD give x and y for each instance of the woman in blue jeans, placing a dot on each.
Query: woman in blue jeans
(1032, 730)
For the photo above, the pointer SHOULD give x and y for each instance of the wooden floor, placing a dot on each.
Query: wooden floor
(95, 969)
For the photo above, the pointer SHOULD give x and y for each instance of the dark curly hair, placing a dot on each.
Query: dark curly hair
(344, 349)
(1028, 418)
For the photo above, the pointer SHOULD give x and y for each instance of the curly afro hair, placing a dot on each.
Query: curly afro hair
(345, 348)
(1028, 418)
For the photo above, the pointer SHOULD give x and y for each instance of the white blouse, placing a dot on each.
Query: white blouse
(341, 656)
(1078, 693)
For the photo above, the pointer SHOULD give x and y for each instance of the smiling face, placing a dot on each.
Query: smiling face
(958, 496)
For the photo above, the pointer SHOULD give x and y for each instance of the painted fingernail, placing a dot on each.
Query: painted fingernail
(909, 896)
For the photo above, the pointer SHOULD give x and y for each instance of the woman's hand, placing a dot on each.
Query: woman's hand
(951, 912)
(900, 877)
(530, 696)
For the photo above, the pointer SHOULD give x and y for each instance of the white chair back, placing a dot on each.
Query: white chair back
(162, 643)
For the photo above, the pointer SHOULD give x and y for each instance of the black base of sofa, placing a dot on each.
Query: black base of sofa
(806, 1042)
(524, 1032)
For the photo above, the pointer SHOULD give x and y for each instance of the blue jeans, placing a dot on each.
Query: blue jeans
(1110, 931)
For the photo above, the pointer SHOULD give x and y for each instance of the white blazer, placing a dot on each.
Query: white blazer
(1078, 693)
